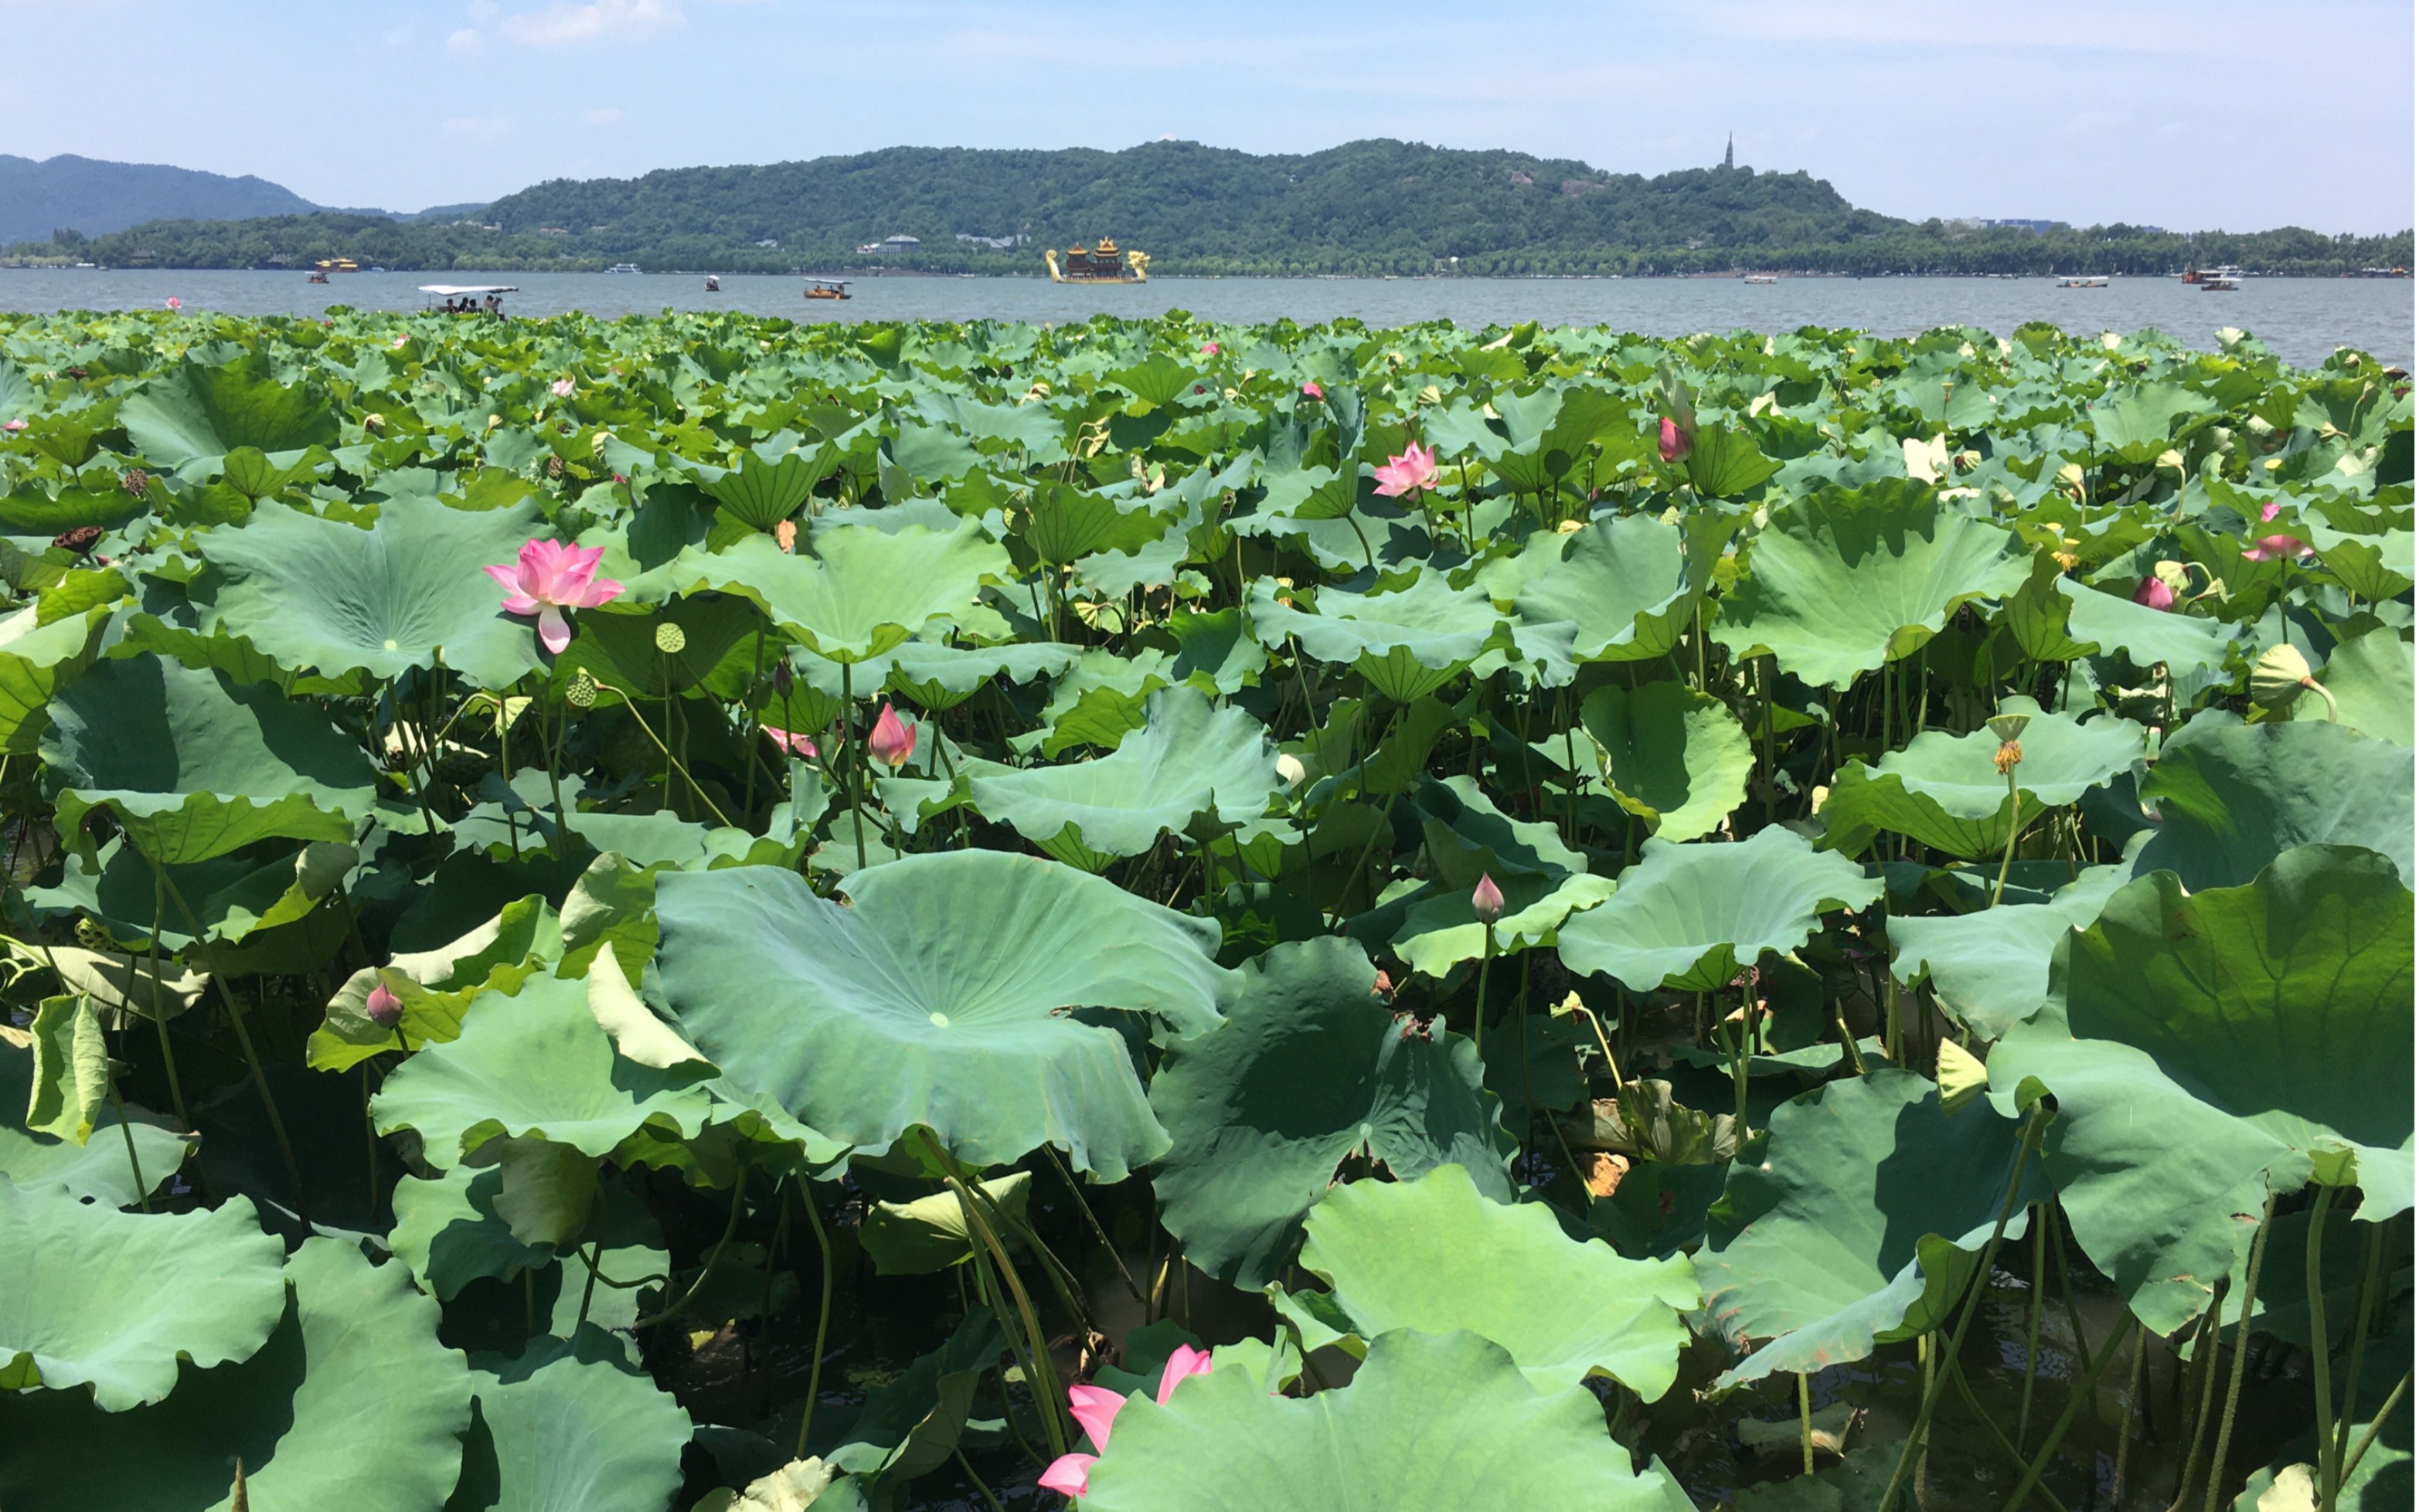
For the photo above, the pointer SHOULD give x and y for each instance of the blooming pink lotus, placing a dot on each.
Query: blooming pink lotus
(562, 387)
(893, 740)
(2280, 548)
(1312, 390)
(385, 1006)
(2154, 594)
(550, 578)
(174, 304)
(1209, 348)
(796, 743)
(1674, 442)
(400, 342)
(1415, 469)
(1486, 900)
(13, 426)
(1097, 1407)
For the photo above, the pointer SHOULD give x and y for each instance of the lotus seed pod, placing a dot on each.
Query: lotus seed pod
(582, 691)
(2008, 726)
(91, 936)
(671, 639)
(2278, 678)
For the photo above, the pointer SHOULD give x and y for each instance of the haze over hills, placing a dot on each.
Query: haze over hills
(1365, 208)
(95, 197)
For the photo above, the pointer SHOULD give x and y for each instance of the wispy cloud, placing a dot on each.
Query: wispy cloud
(469, 42)
(563, 23)
(477, 126)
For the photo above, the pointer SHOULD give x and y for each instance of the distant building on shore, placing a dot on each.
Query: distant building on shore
(894, 245)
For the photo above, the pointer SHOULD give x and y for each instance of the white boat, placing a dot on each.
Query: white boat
(1761, 278)
(622, 267)
(2087, 280)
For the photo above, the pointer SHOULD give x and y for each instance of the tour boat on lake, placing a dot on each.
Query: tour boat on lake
(1101, 264)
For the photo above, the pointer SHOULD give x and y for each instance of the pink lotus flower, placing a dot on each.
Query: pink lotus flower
(794, 742)
(562, 387)
(893, 740)
(1097, 1407)
(13, 426)
(398, 343)
(2154, 594)
(174, 304)
(1312, 390)
(1486, 900)
(550, 578)
(2269, 510)
(2275, 547)
(385, 1007)
(1673, 443)
(1209, 348)
(1415, 469)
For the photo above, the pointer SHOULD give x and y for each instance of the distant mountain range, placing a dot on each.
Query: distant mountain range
(1365, 207)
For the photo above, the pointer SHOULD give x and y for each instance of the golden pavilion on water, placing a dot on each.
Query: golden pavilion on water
(1101, 264)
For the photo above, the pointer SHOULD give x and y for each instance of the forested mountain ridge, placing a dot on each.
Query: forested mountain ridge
(87, 195)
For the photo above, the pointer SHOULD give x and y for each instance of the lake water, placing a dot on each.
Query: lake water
(2301, 319)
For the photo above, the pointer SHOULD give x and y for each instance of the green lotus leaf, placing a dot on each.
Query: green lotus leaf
(2371, 677)
(1065, 522)
(1309, 1069)
(193, 766)
(1860, 1225)
(97, 1168)
(352, 1402)
(2208, 1048)
(1222, 1442)
(449, 1233)
(762, 492)
(1855, 1483)
(938, 677)
(1842, 581)
(1946, 791)
(327, 597)
(535, 1064)
(1689, 916)
(192, 416)
(864, 592)
(2107, 622)
(438, 987)
(1627, 584)
(1188, 759)
(1407, 643)
(937, 1000)
(1989, 969)
(930, 1233)
(1437, 1255)
(114, 1300)
(1673, 757)
(34, 658)
(570, 1426)
(2232, 798)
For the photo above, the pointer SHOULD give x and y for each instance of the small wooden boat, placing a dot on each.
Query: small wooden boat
(827, 288)
(315, 276)
(713, 284)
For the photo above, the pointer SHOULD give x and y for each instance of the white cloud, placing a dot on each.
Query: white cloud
(477, 125)
(600, 21)
(603, 115)
(469, 42)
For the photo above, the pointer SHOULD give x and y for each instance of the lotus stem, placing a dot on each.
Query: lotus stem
(2033, 1125)
(713, 1258)
(822, 1316)
(2075, 1398)
(369, 1140)
(588, 1257)
(2371, 1268)
(1039, 1376)
(2032, 1328)
(1478, 1018)
(159, 1013)
(126, 1131)
(2016, 828)
(1998, 1435)
(2205, 1355)
(1132, 1287)
(2243, 1352)
(672, 761)
(1805, 1424)
(2131, 1407)
(2323, 1347)
(852, 758)
(2065, 1279)
(2393, 1400)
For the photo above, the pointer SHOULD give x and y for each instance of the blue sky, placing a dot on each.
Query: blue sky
(2192, 114)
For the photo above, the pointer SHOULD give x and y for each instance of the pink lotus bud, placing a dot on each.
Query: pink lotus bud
(1486, 900)
(1209, 348)
(1673, 444)
(893, 740)
(2154, 594)
(1312, 390)
(384, 1007)
(13, 426)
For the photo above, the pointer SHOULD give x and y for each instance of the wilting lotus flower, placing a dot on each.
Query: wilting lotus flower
(1673, 444)
(549, 578)
(2154, 594)
(794, 742)
(1312, 390)
(1486, 900)
(174, 304)
(384, 1007)
(1414, 469)
(1097, 1407)
(562, 387)
(13, 426)
(785, 535)
(1209, 348)
(893, 740)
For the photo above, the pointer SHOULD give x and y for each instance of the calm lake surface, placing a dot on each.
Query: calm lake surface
(2301, 319)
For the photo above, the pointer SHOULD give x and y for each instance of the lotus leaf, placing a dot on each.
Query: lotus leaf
(1946, 791)
(1990, 967)
(353, 1377)
(1689, 916)
(864, 592)
(2371, 677)
(193, 766)
(1188, 759)
(2232, 798)
(537, 1064)
(1224, 1441)
(1673, 757)
(1406, 643)
(154, 1287)
(1846, 582)
(1860, 1225)
(436, 986)
(195, 414)
(936, 1000)
(1309, 1069)
(1437, 1255)
(2208, 1048)
(96, 1168)
(320, 596)
(34, 658)
(1627, 584)
(581, 1390)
